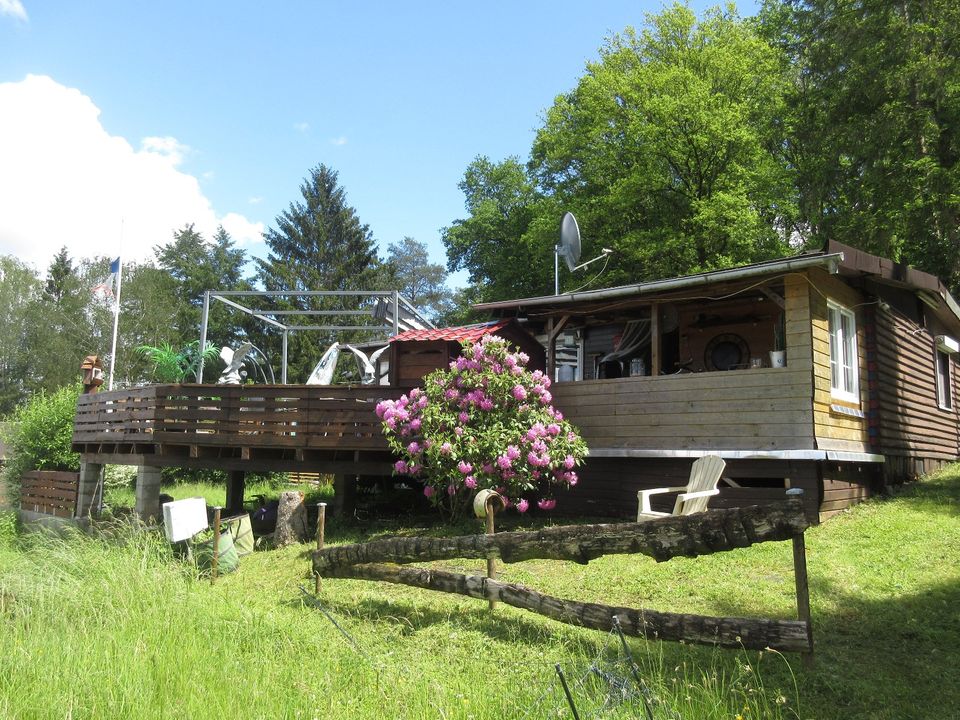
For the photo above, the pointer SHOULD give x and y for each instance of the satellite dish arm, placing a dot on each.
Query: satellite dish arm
(606, 252)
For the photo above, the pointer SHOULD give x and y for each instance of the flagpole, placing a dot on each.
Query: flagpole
(116, 310)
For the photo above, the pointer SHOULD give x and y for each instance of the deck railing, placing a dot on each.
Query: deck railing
(275, 416)
(756, 409)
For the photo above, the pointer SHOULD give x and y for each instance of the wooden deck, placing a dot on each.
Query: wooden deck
(236, 427)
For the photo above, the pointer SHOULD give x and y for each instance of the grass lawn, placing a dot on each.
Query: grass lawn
(115, 627)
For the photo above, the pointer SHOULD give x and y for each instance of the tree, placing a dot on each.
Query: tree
(669, 150)
(875, 111)
(493, 243)
(409, 270)
(19, 287)
(318, 244)
(669, 147)
(58, 274)
(196, 266)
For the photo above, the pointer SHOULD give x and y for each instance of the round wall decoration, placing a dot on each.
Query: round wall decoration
(725, 352)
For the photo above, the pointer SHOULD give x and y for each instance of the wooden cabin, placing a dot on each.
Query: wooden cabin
(659, 373)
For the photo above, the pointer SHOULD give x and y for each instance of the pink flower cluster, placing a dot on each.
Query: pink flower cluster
(460, 431)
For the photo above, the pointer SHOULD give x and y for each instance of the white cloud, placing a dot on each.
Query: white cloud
(255, 200)
(66, 181)
(342, 140)
(301, 126)
(167, 147)
(13, 8)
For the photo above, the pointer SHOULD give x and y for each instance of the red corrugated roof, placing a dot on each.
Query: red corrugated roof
(470, 333)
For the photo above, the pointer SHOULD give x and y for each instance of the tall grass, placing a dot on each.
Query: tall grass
(114, 626)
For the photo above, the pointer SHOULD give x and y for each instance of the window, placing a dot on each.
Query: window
(844, 366)
(944, 380)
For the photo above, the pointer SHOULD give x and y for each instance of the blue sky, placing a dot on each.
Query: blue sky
(214, 112)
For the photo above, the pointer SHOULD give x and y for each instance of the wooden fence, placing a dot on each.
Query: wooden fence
(49, 492)
(388, 560)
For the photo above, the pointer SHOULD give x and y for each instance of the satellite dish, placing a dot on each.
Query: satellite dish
(569, 248)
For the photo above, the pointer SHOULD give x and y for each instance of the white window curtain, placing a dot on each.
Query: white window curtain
(636, 337)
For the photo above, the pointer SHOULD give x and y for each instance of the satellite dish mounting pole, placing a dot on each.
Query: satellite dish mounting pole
(556, 269)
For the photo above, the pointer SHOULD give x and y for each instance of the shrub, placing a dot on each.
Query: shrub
(487, 422)
(173, 366)
(42, 433)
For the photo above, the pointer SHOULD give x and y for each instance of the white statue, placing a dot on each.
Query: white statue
(232, 374)
(369, 370)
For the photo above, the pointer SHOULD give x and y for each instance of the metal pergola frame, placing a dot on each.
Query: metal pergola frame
(268, 316)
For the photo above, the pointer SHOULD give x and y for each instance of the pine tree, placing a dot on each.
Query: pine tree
(58, 274)
(319, 243)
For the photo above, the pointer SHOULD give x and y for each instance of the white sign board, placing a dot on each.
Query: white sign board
(182, 519)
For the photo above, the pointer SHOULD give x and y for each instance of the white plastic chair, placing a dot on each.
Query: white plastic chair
(693, 497)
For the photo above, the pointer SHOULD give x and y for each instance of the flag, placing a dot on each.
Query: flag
(106, 288)
(114, 273)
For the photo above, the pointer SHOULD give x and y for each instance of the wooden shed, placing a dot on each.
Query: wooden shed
(416, 353)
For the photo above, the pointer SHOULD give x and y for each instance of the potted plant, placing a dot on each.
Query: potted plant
(778, 356)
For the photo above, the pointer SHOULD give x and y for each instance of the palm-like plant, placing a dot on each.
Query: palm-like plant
(171, 365)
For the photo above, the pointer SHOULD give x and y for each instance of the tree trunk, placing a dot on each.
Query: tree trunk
(752, 633)
(291, 519)
(661, 539)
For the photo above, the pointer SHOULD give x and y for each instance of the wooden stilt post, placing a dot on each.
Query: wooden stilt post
(802, 585)
(321, 529)
(216, 545)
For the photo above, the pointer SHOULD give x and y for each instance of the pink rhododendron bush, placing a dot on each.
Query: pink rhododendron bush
(487, 422)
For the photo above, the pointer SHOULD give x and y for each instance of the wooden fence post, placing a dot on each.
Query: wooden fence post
(216, 545)
(321, 522)
(484, 506)
(802, 583)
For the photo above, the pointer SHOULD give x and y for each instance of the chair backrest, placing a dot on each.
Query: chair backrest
(704, 475)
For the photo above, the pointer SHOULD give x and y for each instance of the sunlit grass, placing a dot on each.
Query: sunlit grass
(115, 626)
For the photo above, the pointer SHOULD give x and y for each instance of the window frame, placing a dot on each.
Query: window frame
(943, 361)
(845, 342)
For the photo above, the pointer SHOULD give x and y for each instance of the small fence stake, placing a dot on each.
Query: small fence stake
(321, 529)
(215, 562)
(491, 562)
(566, 691)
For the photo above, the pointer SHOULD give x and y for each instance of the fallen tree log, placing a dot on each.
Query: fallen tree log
(734, 632)
(661, 539)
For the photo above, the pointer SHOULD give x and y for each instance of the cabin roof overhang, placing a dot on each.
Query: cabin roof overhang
(650, 291)
(849, 263)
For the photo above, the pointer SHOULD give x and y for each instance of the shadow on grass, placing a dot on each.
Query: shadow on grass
(938, 493)
(886, 658)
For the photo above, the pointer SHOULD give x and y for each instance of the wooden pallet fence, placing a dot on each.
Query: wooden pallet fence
(661, 539)
(49, 492)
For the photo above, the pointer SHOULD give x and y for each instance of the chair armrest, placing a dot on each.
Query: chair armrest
(700, 493)
(643, 496)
